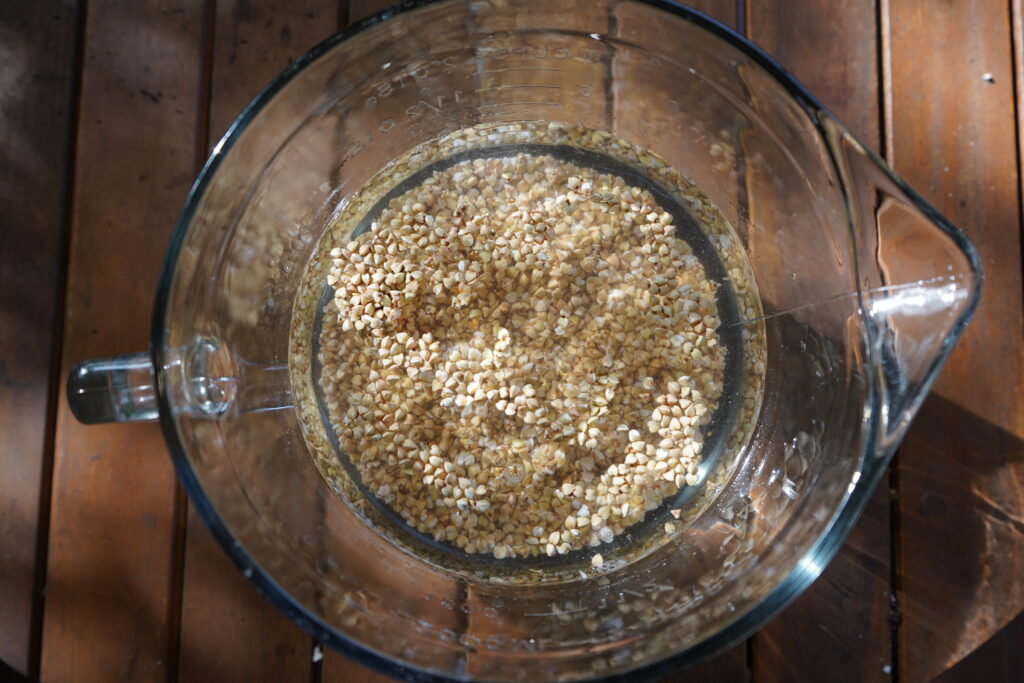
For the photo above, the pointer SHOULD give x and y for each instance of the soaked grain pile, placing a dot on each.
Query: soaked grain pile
(520, 355)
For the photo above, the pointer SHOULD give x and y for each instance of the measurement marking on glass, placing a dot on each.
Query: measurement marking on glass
(516, 68)
(522, 85)
(555, 613)
(513, 104)
(488, 114)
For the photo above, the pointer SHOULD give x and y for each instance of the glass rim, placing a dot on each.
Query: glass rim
(806, 569)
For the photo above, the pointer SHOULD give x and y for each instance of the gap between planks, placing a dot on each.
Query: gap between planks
(56, 381)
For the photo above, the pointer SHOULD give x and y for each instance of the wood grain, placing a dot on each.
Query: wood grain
(337, 668)
(725, 11)
(109, 575)
(360, 9)
(37, 72)
(229, 631)
(961, 470)
(254, 42)
(839, 629)
(110, 610)
(998, 660)
(1017, 27)
(730, 666)
(832, 48)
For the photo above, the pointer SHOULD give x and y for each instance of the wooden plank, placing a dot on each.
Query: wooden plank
(732, 664)
(337, 668)
(839, 629)
(961, 553)
(961, 470)
(230, 632)
(725, 11)
(1017, 19)
(832, 48)
(110, 562)
(999, 660)
(360, 9)
(254, 42)
(36, 106)
(388, 579)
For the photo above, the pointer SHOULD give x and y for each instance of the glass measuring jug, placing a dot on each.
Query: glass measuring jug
(863, 288)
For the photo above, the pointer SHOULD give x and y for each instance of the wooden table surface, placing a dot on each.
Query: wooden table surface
(109, 107)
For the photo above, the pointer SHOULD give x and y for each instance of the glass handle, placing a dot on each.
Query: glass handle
(208, 380)
(204, 380)
(919, 281)
(116, 389)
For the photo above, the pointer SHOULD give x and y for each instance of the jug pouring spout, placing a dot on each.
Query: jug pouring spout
(919, 282)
